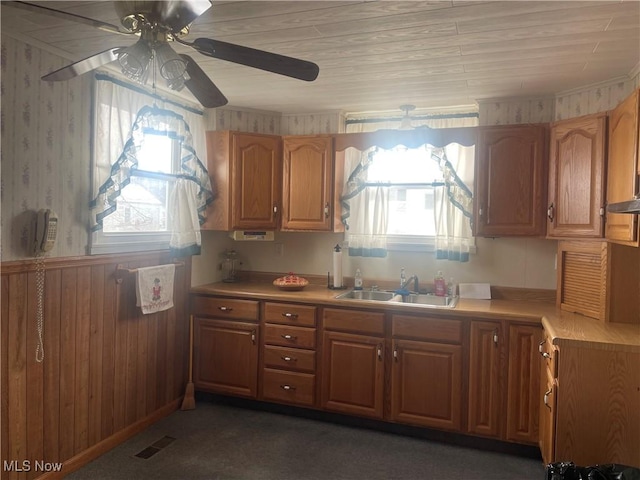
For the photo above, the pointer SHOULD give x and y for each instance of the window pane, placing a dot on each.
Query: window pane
(414, 215)
(404, 165)
(142, 207)
(155, 154)
(411, 210)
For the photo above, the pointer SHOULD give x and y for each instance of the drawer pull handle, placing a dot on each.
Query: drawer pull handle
(379, 352)
(289, 337)
(290, 315)
(287, 387)
(225, 309)
(288, 359)
(546, 397)
(542, 352)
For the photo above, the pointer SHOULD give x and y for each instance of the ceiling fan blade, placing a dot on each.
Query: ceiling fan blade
(31, 7)
(201, 86)
(271, 62)
(83, 66)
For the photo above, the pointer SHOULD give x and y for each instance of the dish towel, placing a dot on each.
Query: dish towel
(154, 288)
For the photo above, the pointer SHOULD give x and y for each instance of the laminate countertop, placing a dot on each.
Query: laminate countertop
(564, 328)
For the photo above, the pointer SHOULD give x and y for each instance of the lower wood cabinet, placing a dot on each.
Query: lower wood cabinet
(589, 405)
(288, 354)
(523, 383)
(485, 355)
(504, 381)
(426, 384)
(226, 357)
(353, 372)
(479, 377)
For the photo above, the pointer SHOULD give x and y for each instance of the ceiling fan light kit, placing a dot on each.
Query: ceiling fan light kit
(158, 23)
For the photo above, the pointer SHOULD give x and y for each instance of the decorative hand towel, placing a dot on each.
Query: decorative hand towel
(154, 288)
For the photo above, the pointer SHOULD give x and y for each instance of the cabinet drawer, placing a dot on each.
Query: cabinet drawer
(425, 328)
(288, 336)
(304, 315)
(290, 387)
(290, 358)
(225, 308)
(353, 321)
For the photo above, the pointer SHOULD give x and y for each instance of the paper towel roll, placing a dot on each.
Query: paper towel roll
(337, 269)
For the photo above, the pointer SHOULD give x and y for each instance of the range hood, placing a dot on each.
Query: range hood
(630, 206)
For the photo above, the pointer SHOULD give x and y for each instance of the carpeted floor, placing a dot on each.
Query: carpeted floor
(218, 441)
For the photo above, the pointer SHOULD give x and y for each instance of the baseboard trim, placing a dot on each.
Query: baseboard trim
(93, 452)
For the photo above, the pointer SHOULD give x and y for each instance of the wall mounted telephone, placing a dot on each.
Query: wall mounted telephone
(46, 231)
(44, 238)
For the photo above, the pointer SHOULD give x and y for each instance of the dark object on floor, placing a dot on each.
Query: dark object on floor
(151, 450)
(570, 471)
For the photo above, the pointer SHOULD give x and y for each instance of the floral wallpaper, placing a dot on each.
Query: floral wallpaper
(596, 99)
(313, 124)
(565, 105)
(510, 111)
(45, 132)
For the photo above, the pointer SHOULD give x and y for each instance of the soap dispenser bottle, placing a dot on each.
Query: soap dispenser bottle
(357, 280)
(440, 285)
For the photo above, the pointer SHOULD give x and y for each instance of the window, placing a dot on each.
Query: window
(142, 205)
(145, 170)
(413, 180)
(141, 221)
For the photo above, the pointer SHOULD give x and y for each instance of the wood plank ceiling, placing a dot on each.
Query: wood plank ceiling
(377, 55)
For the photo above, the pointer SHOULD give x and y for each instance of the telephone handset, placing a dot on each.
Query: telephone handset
(46, 231)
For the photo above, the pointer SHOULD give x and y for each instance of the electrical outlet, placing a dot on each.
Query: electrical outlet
(279, 248)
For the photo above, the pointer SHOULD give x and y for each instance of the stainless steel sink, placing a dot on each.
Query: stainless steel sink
(413, 299)
(376, 295)
(430, 300)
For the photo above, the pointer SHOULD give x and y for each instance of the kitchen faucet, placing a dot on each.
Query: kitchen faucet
(404, 281)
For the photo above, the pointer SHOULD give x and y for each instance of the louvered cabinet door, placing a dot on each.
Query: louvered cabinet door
(582, 274)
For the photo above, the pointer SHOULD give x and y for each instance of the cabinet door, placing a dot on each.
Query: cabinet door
(510, 181)
(352, 374)
(225, 357)
(484, 378)
(576, 177)
(622, 169)
(547, 415)
(426, 383)
(523, 383)
(307, 183)
(256, 173)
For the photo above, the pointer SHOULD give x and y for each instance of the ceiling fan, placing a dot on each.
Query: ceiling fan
(158, 23)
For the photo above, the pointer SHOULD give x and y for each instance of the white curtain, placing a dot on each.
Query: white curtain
(453, 202)
(121, 115)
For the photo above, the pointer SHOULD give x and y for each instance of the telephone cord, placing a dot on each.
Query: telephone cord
(40, 275)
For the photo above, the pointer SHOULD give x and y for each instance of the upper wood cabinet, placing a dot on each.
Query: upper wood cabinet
(577, 177)
(511, 192)
(308, 188)
(246, 169)
(623, 169)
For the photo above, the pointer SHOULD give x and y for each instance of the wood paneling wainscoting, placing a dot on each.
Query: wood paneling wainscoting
(108, 370)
